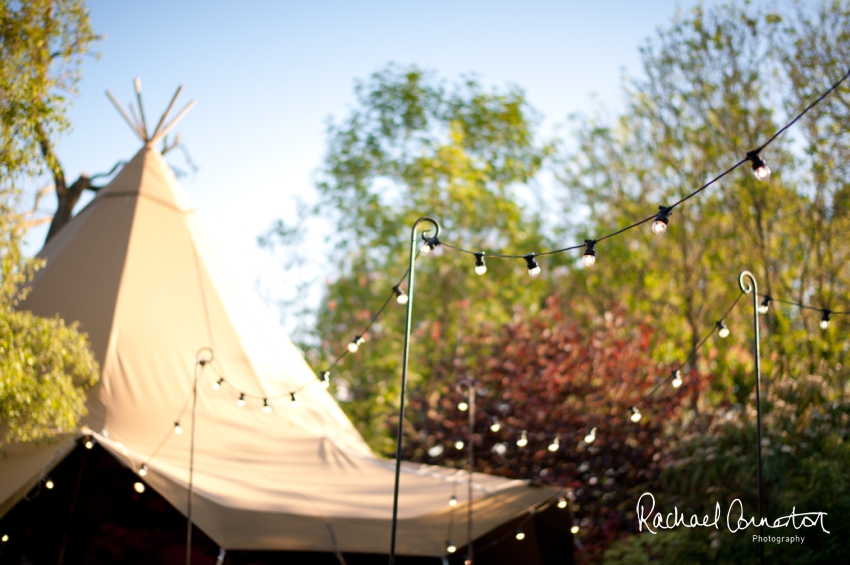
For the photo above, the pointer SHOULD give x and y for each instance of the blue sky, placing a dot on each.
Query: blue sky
(268, 75)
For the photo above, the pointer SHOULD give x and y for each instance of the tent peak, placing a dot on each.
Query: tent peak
(138, 122)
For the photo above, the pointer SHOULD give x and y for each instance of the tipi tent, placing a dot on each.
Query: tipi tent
(135, 269)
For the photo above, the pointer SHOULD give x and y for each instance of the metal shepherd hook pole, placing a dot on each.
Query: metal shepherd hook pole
(470, 387)
(407, 322)
(753, 289)
(200, 361)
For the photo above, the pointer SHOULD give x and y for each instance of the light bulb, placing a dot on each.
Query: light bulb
(463, 406)
(326, 379)
(533, 267)
(89, 443)
(760, 169)
(178, 429)
(677, 379)
(589, 257)
(635, 417)
(765, 305)
(450, 547)
(425, 249)
(139, 487)
(824, 321)
(240, 402)
(429, 245)
(659, 226)
(401, 297)
(523, 440)
(520, 535)
(555, 445)
(562, 503)
(591, 436)
(495, 426)
(459, 445)
(49, 484)
(217, 384)
(292, 400)
(266, 408)
(574, 530)
(722, 330)
(143, 470)
(480, 267)
(356, 343)
(453, 501)
(5, 538)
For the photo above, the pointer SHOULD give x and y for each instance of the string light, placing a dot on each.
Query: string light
(480, 267)
(292, 400)
(574, 529)
(139, 487)
(450, 547)
(178, 429)
(562, 503)
(356, 343)
(722, 330)
(325, 378)
(453, 501)
(589, 257)
(266, 407)
(523, 440)
(520, 535)
(49, 484)
(429, 245)
(677, 379)
(89, 442)
(824, 321)
(143, 470)
(462, 406)
(495, 426)
(240, 402)
(555, 445)
(591, 436)
(401, 297)
(635, 417)
(765, 305)
(5, 538)
(659, 226)
(217, 384)
(533, 267)
(459, 444)
(760, 169)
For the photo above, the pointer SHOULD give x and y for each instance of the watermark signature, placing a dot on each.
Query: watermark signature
(674, 519)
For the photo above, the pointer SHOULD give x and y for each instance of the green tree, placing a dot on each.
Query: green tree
(412, 146)
(45, 366)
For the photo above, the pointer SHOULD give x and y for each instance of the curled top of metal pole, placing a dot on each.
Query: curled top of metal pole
(205, 355)
(425, 234)
(748, 286)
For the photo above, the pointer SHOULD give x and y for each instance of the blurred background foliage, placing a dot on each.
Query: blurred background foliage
(558, 353)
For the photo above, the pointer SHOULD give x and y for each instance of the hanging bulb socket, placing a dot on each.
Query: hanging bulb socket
(555, 445)
(356, 343)
(266, 407)
(143, 470)
(636, 415)
(480, 267)
(429, 245)
(463, 406)
(765, 304)
(450, 547)
(459, 445)
(240, 402)
(824, 320)
(760, 169)
(453, 501)
(562, 502)
(495, 426)
(520, 535)
(589, 256)
(659, 226)
(178, 429)
(533, 267)
(591, 436)
(722, 330)
(292, 400)
(217, 384)
(90, 442)
(676, 378)
(325, 377)
(400, 296)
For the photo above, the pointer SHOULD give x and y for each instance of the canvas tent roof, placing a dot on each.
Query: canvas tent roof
(135, 269)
